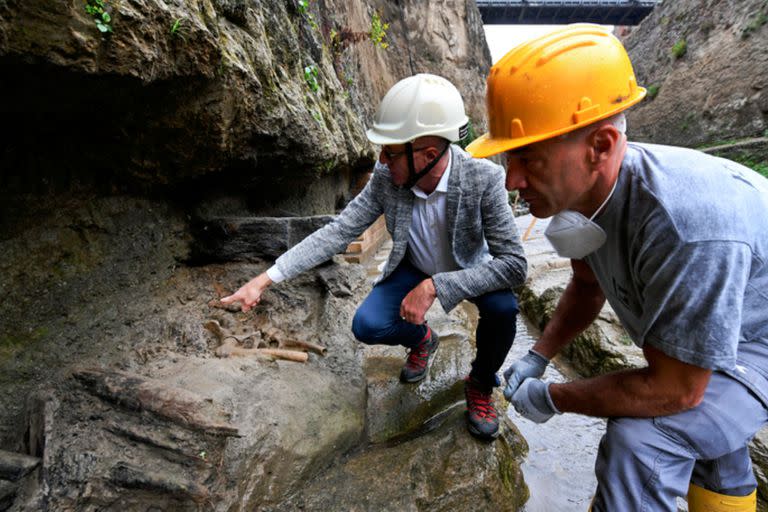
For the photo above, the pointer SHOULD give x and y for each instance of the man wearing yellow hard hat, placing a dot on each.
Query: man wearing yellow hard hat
(675, 240)
(453, 238)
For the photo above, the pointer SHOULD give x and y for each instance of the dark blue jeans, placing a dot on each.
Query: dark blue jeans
(377, 321)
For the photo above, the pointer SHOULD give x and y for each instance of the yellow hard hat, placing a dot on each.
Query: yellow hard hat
(554, 84)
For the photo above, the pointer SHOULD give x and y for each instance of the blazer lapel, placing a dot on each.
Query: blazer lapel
(404, 214)
(454, 194)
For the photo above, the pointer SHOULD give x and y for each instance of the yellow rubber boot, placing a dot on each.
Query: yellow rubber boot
(702, 500)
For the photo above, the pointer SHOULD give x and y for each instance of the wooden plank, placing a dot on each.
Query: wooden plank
(367, 243)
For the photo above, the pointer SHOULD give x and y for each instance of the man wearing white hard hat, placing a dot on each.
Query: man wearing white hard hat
(453, 238)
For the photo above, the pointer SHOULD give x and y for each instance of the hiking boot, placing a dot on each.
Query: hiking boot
(482, 420)
(415, 367)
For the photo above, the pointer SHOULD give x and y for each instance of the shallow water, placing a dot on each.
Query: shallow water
(559, 469)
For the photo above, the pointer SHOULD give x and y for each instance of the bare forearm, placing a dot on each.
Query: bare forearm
(627, 393)
(577, 308)
(665, 386)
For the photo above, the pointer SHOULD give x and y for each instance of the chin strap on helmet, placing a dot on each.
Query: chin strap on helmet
(413, 176)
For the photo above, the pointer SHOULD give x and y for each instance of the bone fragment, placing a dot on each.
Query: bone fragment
(220, 291)
(216, 303)
(288, 355)
(306, 345)
(215, 328)
(228, 341)
(229, 348)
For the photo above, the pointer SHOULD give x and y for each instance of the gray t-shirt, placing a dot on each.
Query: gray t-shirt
(685, 265)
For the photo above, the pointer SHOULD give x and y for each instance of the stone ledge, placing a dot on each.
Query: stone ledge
(250, 238)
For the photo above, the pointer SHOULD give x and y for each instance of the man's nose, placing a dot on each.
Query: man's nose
(515, 177)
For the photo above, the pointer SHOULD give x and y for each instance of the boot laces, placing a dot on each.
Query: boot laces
(479, 403)
(418, 356)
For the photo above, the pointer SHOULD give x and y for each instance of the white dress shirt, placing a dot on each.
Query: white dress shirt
(429, 245)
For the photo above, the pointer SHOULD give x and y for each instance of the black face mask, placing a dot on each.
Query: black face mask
(414, 176)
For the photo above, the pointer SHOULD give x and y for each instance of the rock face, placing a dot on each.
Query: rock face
(704, 63)
(218, 98)
(180, 122)
(163, 423)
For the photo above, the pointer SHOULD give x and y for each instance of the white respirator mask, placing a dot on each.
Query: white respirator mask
(573, 235)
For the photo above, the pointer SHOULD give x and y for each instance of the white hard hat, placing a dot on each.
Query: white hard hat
(417, 106)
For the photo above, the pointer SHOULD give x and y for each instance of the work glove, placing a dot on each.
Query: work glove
(533, 401)
(532, 364)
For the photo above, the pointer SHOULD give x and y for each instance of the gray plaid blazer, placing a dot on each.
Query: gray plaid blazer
(477, 210)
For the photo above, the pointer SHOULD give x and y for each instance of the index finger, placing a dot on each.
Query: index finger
(229, 299)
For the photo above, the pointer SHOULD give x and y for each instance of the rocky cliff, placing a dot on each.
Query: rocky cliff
(259, 97)
(704, 63)
(127, 123)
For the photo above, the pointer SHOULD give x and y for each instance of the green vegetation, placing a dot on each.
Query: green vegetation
(753, 158)
(686, 123)
(98, 10)
(469, 137)
(336, 43)
(310, 76)
(378, 32)
(755, 23)
(304, 11)
(679, 48)
(754, 163)
(178, 29)
(719, 142)
(653, 90)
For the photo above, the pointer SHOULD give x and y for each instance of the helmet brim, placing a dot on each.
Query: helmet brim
(377, 138)
(485, 145)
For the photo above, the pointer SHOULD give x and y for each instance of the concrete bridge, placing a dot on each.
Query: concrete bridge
(557, 12)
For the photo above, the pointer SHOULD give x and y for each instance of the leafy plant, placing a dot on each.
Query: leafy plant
(378, 32)
(310, 76)
(758, 21)
(679, 48)
(178, 29)
(337, 44)
(653, 90)
(304, 11)
(98, 10)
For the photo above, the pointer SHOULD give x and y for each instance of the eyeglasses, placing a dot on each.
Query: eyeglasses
(391, 155)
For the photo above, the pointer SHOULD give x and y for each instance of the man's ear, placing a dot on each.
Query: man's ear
(432, 153)
(602, 143)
